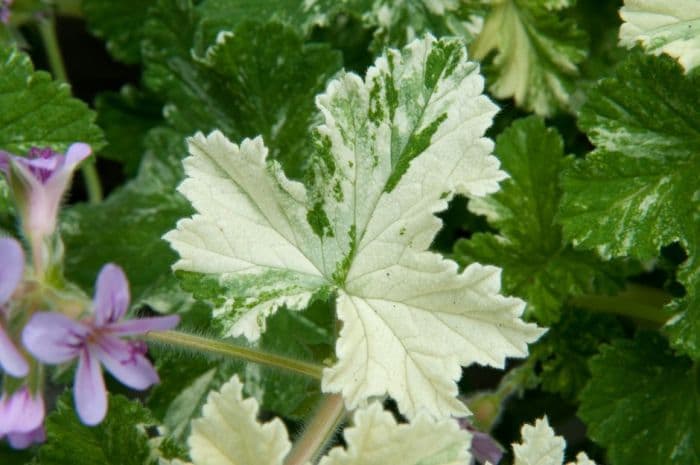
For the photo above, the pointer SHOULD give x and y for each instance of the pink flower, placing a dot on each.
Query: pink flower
(22, 418)
(38, 183)
(11, 270)
(54, 338)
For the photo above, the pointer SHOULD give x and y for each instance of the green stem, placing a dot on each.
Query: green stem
(226, 349)
(319, 432)
(487, 406)
(92, 182)
(47, 29)
(636, 301)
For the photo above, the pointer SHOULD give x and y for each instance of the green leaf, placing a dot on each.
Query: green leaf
(643, 403)
(537, 264)
(398, 22)
(561, 356)
(393, 150)
(120, 24)
(39, 112)
(182, 393)
(537, 54)
(306, 336)
(638, 187)
(666, 27)
(302, 16)
(126, 117)
(120, 439)
(127, 227)
(259, 80)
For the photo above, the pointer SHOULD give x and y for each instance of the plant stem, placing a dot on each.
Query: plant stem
(319, 431)
(92, 182)
(47, 29)
(226, 349)
(636, 301)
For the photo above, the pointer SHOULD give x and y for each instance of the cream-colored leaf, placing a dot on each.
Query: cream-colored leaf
(412, 327)
(376, 439)
(540, 446)
(663, 26)
(536, 53)
(228, 433)
(393, 149)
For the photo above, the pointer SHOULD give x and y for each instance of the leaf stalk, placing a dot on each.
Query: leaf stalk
(226, 349)
(319, 432)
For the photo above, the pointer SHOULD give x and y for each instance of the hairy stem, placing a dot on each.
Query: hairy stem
(226, 349)
(636, 301)
(47, 29)
(319, 431)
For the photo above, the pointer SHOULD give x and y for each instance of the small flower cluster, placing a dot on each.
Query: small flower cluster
(31, 336)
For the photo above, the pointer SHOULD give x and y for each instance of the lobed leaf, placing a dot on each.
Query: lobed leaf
(537, 53)
(537, 264)
(643, 403)
(636, 192)
(39, 112)
(393, 150)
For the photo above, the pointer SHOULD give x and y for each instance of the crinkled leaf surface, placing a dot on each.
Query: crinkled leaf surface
(229, 432)
(666, 27)
(537, 53)
(537, 264)
(392, 151)
(540, 446)
(643, 403)
(637, 191)
(376, 439)
(259, 80)
(39, 112)
(120, 23)
(120, 439)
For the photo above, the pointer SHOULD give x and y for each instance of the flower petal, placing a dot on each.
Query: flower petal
(75, 154)
(5, 158)
(24, 440)
(485, 448)
(144, 325)
(125, 361)
(11, 360)
(54, 338)
(20, 412)
(11, 268)
(111, 295)
(89, 391)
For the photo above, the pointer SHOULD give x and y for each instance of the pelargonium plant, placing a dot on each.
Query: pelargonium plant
(349, 232)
